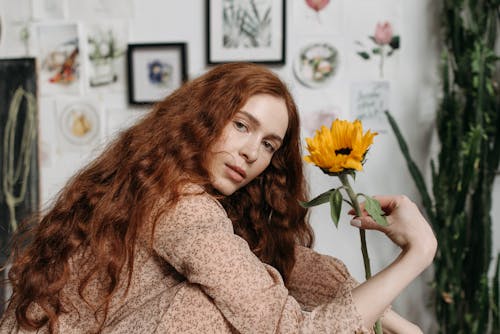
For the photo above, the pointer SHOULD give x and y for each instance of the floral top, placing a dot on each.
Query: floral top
(202, 278)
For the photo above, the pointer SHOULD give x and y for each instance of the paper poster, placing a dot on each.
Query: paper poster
(369, 101)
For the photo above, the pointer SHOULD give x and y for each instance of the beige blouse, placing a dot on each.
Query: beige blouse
(202, 278)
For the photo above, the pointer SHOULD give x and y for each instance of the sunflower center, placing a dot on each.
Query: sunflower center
(343, 151)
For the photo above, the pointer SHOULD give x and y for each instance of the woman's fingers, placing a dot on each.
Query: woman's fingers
(387, 202)
(367, 223)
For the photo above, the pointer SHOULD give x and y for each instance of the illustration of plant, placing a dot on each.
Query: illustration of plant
(317, 6)
(103, 50)
(386, 43)
(246, 25)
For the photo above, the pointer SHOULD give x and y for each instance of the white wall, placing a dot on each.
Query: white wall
(412, 74)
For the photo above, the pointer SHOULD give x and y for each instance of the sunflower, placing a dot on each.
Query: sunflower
(341, 148)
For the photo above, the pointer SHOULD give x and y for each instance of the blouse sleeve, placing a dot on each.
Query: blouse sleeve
(198, 240)
(316, 278)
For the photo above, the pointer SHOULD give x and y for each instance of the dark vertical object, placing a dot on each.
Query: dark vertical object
(15, 73)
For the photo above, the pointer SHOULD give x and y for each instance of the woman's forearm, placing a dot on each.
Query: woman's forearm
(393, 323)
(376, 294)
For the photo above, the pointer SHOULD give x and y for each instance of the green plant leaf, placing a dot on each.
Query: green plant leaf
(364, 55)
(376, 51)
(318, 200)
(373, 208)
(335, 206)
(394, 43)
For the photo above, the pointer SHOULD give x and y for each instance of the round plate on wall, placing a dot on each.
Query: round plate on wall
(80, 123)
(316, 64)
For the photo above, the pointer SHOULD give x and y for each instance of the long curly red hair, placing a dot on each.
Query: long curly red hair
(103, 208)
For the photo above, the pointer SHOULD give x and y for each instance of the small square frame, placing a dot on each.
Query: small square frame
(154, 71)
(246, 31)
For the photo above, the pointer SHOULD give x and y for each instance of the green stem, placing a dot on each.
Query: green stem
(381, 64)
(364, 250)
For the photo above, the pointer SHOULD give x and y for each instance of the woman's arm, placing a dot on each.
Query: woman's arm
(409, 230)
(393, 323)
(198, 240)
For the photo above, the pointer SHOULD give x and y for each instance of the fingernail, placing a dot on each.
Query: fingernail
(356, 222)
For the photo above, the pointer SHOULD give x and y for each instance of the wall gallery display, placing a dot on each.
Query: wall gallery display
(252, 31)
(155, 71)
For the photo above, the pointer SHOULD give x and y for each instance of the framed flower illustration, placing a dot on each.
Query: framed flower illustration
(154, 71)
(252, 31)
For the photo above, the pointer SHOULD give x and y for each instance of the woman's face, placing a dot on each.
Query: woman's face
(248, 143)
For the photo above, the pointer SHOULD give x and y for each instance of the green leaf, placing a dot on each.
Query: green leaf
(318, 200)
(373, 208)
(376, 51)
(364, 55)
(335, 206)
(394, 43)
(412, 167)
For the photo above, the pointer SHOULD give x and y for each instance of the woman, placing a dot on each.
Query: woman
(189, 223)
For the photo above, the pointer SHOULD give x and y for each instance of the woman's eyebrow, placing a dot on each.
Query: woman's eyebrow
(257, 123)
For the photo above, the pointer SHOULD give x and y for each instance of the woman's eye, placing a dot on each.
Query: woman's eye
(240, 126)
(269, 147)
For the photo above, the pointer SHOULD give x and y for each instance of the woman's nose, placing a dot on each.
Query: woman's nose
(250, 150)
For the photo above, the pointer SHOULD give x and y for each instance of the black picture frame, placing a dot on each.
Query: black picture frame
(246, 32)
(154, 70)
(19, 74)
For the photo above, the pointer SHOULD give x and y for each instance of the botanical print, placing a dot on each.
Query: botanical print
(386, 43)
(316, 64)
(60, 58)
(317, 6)
(246, 30)
(246, 23)
(106, 44)
(317, 17)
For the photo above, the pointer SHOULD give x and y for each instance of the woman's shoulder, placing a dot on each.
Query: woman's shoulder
(195, 204)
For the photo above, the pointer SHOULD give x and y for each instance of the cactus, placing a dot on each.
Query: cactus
(467, 123)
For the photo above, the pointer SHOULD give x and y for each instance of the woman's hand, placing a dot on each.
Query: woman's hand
(393, 323)
(407, 227)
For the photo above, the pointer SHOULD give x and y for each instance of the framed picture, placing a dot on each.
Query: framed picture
(18, 130)
(155, 71)
(251, 31)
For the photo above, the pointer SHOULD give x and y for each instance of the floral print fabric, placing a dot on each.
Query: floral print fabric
(199, 277)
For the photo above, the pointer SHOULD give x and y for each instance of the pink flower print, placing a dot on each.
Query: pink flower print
(317, 5)
(383, 33)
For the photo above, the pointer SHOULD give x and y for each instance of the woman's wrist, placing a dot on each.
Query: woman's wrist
(422, 252)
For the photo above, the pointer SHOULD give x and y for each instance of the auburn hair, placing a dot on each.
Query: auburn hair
(103, 208)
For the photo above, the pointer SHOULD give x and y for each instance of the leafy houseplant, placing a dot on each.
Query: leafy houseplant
(467, 122)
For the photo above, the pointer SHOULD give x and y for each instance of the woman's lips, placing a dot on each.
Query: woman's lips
(236, 173)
